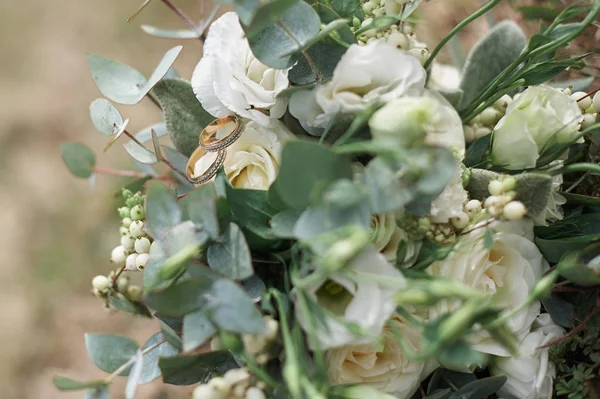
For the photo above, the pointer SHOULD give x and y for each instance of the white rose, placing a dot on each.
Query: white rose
(375, 72)
(252, 161)
(416, 120)
(530, 374)
(382, 364)
(359, 300)
(229, 79)
(387, 238)
(450, 203)
(507, 271)
(553, 210)
(539, 117)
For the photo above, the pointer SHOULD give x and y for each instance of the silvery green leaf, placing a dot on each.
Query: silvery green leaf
(575, 84)
(489, 57)
(289, 34)
(68, 384)
(79, 159)
(170, 33)
(257, 15)
(142, 154)
(134, 375)
(105, 117)
(254, 287)
(162, 210)
(123, 84)
(109, 352)
(150, 370)
(197, 329)
(334, 9)
(230, 254)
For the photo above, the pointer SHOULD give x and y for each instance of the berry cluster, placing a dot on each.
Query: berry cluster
(135, 245)
(235, 383)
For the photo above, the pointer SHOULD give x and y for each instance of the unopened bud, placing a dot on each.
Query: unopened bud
(137, 213)
(127, 193)
(124, 212)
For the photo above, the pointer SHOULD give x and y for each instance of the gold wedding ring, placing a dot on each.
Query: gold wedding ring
(207, 139)
(210, 172)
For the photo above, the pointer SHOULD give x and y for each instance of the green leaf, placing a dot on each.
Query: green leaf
(480, 389)
(197, 329)
(276, 44)
(582, 267)
(444, 378)
(231, 309)
(183, 113)
(387, 190)
(105, 117)
(190, 369)
(97, 393)
(79, 159)
(251, 210)
(199, 206)
(141, 153)
(123, 304)
(162, 210)
(170, 33)
(169, 332)
(109, 352)
(230, 255)
(489, 57)
(578, 199)
(477, 151)
(182, 298)
(560, 310)
(254, 287)
(150, 369)
(283, 223)
(67, 384)
(553, 250)
(123, 84)
(411, 6)
(458, 355)
(330, 10)
(488, 238)
(539, 12)
(319, 167)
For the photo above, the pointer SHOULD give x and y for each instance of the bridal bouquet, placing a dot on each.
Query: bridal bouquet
(339, 215)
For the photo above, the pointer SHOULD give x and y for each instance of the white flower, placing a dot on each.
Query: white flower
(451, 201)
(229, 79)
(252, 161)
(553, 210)
(508, 271)
(540, 117)
(375, 72)
(352, 296)
(382, 364)
(443, 77)
(387, 238)
(416, 120)
(530, 374)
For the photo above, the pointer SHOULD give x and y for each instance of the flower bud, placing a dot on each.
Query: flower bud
(255, 393)
(130, 262)
(137, 212)
(142, 245)
(124, 212)
(584, 103)
(135, 293)
(141, 261)
(514, 210)
(205, 391)
(131, 202)
(136, 229)
(118, 255)
(126, 193)
(101, 283)
(127, 242)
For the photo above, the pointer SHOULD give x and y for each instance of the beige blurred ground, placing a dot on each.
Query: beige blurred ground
(55, 234)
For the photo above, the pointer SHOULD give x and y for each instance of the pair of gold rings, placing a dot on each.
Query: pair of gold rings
(208, 143)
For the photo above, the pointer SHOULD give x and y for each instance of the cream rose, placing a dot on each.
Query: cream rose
(539, 117)
(352, 296)
(376, 72)
(252, 161)
(387, 238)
(419, 120)
(382, 364)
(530, 374)
(507, 271)
(229, 79)
(451, 201)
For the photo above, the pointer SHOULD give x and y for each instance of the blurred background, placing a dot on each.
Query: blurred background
(56, 233)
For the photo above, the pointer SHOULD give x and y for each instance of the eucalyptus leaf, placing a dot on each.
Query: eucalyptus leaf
(162, 210)
(554, 250)
(170, 334)
(256, 15)
(387, 191)
(105, 117)
(199, 206)
(232, 310)
(109, 352)
(330, 10)
(120, 302)
(141, 153)
(67, 384)
(254, 287)
(79, 159)
(276, 44)
(170, 33)
(183, 113)
(190, 369)
(182, 298)
(480, 389)
(489, 57)
(283, 223)
(134, 375)
(230, 255)
(560, 310)
(150, 370)
(477, 151)
(251, 210)
(97, 393)
(197, 329)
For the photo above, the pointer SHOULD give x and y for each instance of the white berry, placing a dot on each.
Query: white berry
(142, 245)
(255, 393)
(495, 187)
(398, 40)
(596, 102)
(127, 242)
(124, 231)
(207, 392)
(220, 385)
(118, 254)
(141, 261)
(482, 132)
(136, 229)
(514, 210)
(126, 222)
(130, 262)
(135, 293)
(584, 103)
(588, 120)
(473, 207)
(460, 221)
(235, 376)
(502, 103)
(490, 116)
(101, 283)
(469, 134)
(491, 201)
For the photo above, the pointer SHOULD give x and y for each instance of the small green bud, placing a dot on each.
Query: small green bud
(126, 193)
(124, 212)
(131, 202)
(137, 213)
(232, 342)
(342, 251)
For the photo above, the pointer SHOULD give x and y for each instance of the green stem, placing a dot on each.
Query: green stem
(458, 28)
(258, 371)
(291, 372)
(578, 167)
(128, 363)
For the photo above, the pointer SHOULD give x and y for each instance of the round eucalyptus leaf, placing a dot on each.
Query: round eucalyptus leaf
(105, 117)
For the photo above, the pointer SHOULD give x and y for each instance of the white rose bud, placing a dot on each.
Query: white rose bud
(540, 116)
(205, 391)
(118, 254)
(127, 243)
(130, 262)
(142, 245)
(136, 229)
(141, 261)
(101, 283)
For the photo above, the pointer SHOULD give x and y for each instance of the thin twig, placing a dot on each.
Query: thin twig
(133, 138)
(129, 173)
(184, 17)
(573, 331)
(170, 165)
